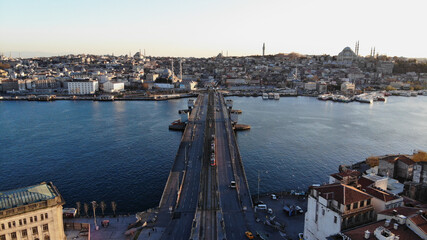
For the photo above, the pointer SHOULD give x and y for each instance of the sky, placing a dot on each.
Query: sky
(204, 28)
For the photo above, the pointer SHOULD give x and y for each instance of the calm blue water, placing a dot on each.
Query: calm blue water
(123, 151)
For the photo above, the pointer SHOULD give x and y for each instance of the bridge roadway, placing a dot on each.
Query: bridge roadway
(197, 202)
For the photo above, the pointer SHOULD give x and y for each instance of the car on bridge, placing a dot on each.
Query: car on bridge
(249, 235)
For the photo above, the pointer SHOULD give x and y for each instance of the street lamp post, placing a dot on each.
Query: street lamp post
(259, 179)
(94, 206)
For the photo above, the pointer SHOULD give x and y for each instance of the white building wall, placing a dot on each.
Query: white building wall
(81, 88)
(322, 226)
(53, 220)
(380, 205)
(113, 87)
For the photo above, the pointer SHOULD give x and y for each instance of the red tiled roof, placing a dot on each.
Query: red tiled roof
(402, 231)
(405, 211)
(364, 182)
(381, 194)
(405, 160)
(343, 194)
(420, 221)
(390, 159)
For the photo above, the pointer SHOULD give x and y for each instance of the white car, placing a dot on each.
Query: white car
(273, 196)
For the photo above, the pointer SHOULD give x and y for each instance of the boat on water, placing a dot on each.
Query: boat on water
(177, 125)
(381, 98)
(265, 96)
(324, 97)
(276, 96)
(270, 96)
(366, 100)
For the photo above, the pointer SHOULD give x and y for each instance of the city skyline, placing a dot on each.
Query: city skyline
(204, 29)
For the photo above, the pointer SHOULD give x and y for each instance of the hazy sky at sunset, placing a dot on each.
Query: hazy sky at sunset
(203, 28)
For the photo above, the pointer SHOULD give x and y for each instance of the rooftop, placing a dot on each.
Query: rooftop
(343, 194)
(421, 221)
(27, 195)
(381, 194)
(402, 231)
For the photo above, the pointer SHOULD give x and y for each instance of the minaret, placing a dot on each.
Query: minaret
(263, 49)
(373, 54)
(180, 69)
(172, 68)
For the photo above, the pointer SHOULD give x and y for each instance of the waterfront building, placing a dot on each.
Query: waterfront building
(310, 86)
(33, 212)
(398, 166)
(333, 208)
(82, 86)
(111, 86)
(347, 87)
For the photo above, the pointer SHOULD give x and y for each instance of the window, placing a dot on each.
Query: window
(46, 237)
(20, 222)
(362, 203)
(24, 233)
(368, 202)
(355, 205)
(3, 237)
(335, 219)
(41, 217)
(35, 218)
(35, 230)
(348, 207)
(2, 226)
(31, 219)
(323, 211)
(45, 227)
(13, 235)
(14, 224)
(25, 221)
(45, 215)
(9, 224)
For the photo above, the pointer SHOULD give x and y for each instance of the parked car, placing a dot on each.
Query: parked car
(273, 196)
(249, 235)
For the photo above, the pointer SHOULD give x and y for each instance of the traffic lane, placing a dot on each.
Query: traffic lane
(236, 229)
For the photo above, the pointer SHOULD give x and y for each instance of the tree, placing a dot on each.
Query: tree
(86, 208)
(94, 206)
(390, 88)
(420, 156)
(114, 207)
(102, 206)
(78, 206)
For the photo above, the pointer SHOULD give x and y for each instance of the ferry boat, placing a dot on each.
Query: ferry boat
(105, 98)
(324, 97)
(276, 96)
(264, 96)
(381, 98)
(366, 100)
